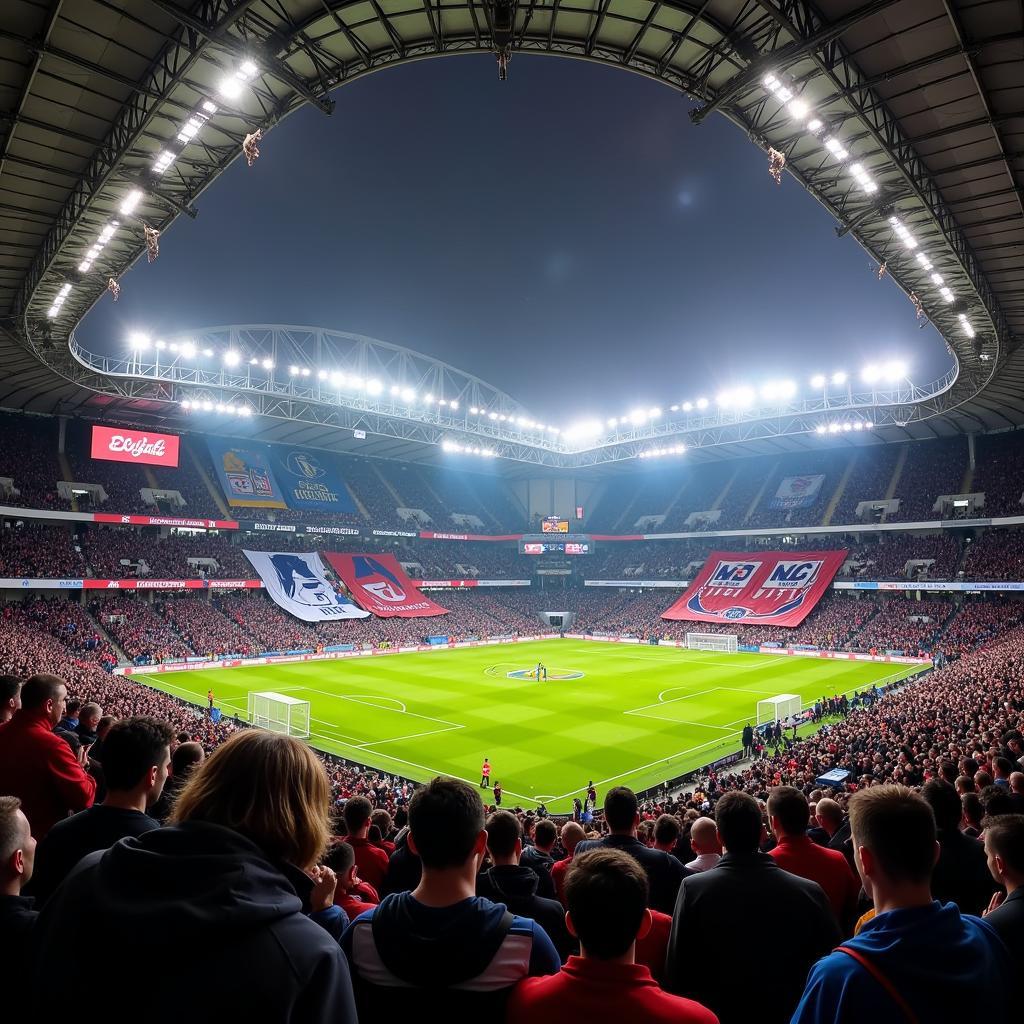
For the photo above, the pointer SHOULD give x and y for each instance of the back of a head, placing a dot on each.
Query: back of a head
(503, 830)
(666, 830)
(620, 809)
(9, 688)
(996, 800)
(186, 756)
(445, 818)
(340, 857)
(606, 894)
(830, 811)
(132, 747)
(13, 832)
(382, 820)
(572, 835)
(72, 706)
(703, 835)
(945, 804)
(790, 808)
(357, 813)
(38, 689)
(738, 819)
(898, 827)
(1004, 837)
(1003, 767)
(270, 788)
(545, 833)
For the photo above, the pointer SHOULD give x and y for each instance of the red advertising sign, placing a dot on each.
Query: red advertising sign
(136, 584)
(116, 444)
(131, 520)
(379, 584)
(776, 588)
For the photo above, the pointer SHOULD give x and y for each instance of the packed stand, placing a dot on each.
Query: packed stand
(146, 637)
(46, 552)
(932, 468)
(999, 473)
(829, 464)
(28, 456)
(869, 480)
(701, 489)
(996, 555)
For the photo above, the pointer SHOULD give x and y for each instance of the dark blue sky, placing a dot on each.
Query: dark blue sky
(567, 235)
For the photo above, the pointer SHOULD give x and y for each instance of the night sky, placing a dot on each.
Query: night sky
(568, 235)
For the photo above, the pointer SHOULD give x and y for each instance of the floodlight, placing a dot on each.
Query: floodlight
(818, 380)
(799, 109)
(492, 415)
(938, 279)
(208, 352)
(833, 428)
(654, 412)
(408, 395)
(702, 403)
(207, 406)
(337, 379)
(847, 425)
(245, 410)
(268, 364)
(724, 399)
(815, 125)
(858, 425)
(820, 428)
(784, 94)
(229, 87)
(174, 346)
(161, 345)
(440, 401)
(895, 371)
(248, 69)
(210, 108)
(321, 374)
(473, 410)
(769, 81)
(232, 358)
(305, 371)
(637, 417)
(254, 361)
(744, 396)
(428, 398)
(188, 350)
(138, 340)
(946, 294)
(871, 373)
(687, 406)
(839, 378)
(374, 386)
(84, 266)
(131, 200)
(186, 404)
(293, 370)
(453, 404)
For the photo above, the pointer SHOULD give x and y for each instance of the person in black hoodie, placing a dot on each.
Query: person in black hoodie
(508, 881)
(17, 913)
(225, 887)
(441, 952)
(539, 858)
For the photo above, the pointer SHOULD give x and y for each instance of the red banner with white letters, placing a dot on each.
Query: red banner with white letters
(380, 585)
(117, 444)
(764, 588)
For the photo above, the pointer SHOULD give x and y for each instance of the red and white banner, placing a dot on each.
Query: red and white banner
(115, 444)
(195, 524)
(470, 583)
(430, 535)
(380, 585)
(769, 588)
(171, 584)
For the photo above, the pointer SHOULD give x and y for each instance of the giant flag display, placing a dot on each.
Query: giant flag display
(298, 583)
(245, 474)
(770, 588)
(381, 586)
(798, 491)
(309, 480)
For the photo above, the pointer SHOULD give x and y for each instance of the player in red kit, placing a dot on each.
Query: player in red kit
(485, 774)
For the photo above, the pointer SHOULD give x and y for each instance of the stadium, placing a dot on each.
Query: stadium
(322, 654)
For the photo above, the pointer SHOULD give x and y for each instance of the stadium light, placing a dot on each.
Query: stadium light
(163, 160)
(161, 345)
(638, 417)
(702, 403)
(293, 370)
(585, 429)
(138, 341)
(232, 358)
(408, 395)
(871, 373)
(654, 412)
(208, 352)
(744, 397)
(229, 87)
(839, 379)
(188, 350)
(207, 406)
(130, 201)
(895, 371)
(820, 428)
(374, 386)
(818, 380)
(687, 406)
(454, 404)
(799, 109)
(186, 405)
(268, 364)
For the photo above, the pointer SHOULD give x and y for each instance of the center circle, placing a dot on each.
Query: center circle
(552, 673)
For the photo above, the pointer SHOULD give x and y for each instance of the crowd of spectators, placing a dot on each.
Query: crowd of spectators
(932, 468)
(995, 555)
(43, 551)
(999, 473)
(905, 625)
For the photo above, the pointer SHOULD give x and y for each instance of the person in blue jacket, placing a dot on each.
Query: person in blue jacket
(917, 960)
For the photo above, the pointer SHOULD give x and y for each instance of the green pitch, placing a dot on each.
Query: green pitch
(637, 715)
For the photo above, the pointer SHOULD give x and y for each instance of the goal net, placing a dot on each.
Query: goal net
(278, 713)
(712, 642)
(778, 708)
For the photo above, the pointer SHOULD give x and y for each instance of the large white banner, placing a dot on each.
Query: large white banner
(798, 491)
(298, 583)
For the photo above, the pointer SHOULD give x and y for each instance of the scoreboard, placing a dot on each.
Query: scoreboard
(552, 524)
(555, 547)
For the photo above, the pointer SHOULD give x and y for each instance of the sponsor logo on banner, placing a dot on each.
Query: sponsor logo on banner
(297, 582)
(336, 531)
(245, 474)
(798, 491)
(394, 533)
(381, 586)
(774, 588)
(125, 445)
(274, 527)
(310, 480)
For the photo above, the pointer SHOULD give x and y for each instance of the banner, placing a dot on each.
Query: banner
(115, 444)
(381, 586)
(245, 474)
(309, 480)
(298, 583)
(771, 588)
(798, 491)
(195, 524)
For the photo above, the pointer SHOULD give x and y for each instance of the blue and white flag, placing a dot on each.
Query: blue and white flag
(298, 583)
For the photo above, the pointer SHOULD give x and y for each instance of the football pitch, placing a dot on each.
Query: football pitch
(620, 714)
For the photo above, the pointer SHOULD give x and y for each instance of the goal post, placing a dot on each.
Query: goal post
(779, 708)
(279, 713)
(727, 642)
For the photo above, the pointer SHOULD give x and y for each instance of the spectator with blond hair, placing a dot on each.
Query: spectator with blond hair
(227, 886)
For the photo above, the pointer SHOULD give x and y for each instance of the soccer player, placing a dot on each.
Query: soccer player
(485, 774)
(542, 672)
(209, 698)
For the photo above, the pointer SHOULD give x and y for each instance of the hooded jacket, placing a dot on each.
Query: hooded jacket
(230, 920)
(516, 886)
(946, 965)
(447, 963)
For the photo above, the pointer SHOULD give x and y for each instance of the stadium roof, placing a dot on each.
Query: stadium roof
(906, 120)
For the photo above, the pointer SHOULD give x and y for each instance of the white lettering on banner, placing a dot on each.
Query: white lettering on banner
(136, 447)
(275, 527)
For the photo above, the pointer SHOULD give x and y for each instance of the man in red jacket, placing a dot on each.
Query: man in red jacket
(788, 815)
(606, 890)
(371, 861)
(38, 767)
